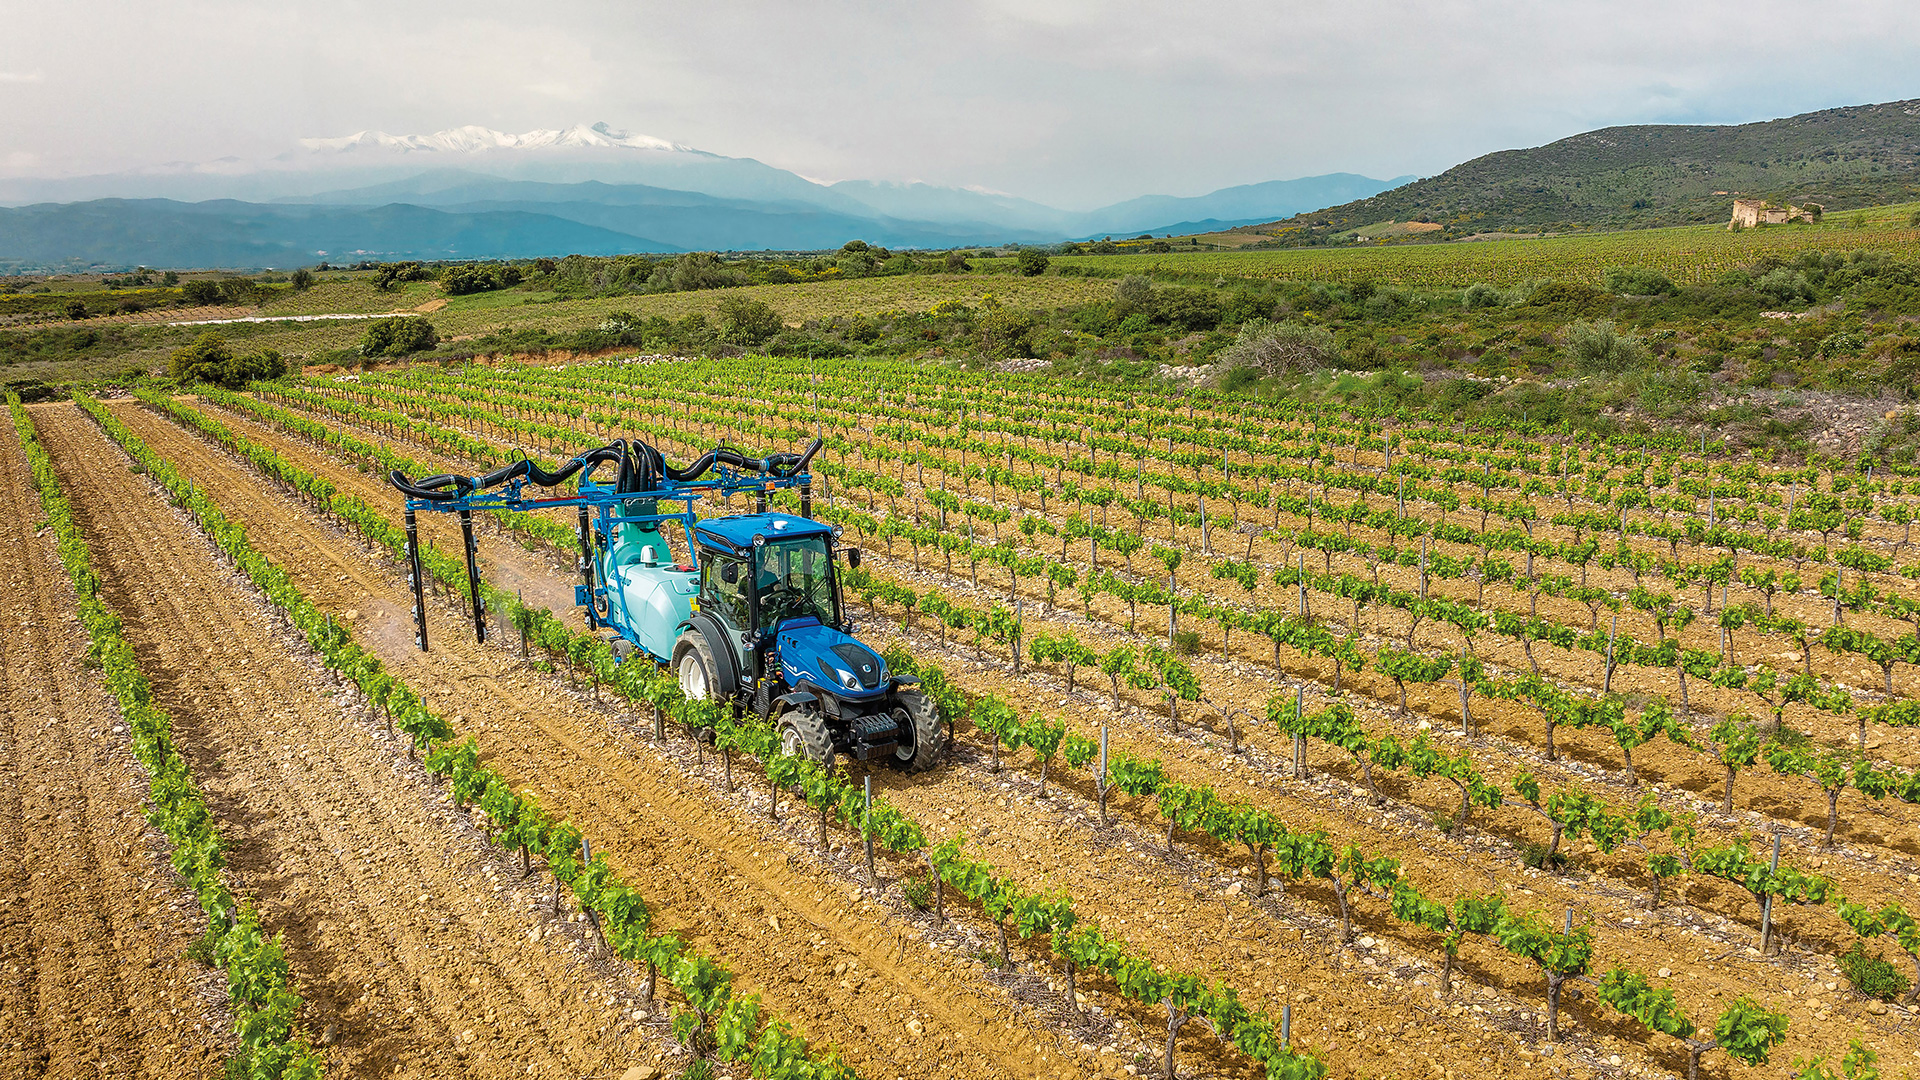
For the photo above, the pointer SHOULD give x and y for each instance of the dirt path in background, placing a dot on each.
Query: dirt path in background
(414, 943)
(94, 922)
(710, 871)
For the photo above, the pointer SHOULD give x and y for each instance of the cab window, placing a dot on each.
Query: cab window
(729, 597)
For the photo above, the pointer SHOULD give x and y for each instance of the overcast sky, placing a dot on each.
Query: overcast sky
(1071, 103)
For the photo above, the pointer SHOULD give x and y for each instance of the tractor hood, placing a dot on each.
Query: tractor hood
(829, 659)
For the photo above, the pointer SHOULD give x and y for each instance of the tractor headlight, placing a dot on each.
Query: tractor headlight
(846, 680)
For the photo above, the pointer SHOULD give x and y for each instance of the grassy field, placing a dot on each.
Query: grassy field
(1690, 255)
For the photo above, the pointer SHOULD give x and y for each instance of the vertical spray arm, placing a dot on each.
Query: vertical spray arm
(414, 579)
(473, 576)
(586, 568)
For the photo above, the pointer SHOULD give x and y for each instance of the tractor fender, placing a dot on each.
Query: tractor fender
(905, 680)
(796, 698)
(709, 627)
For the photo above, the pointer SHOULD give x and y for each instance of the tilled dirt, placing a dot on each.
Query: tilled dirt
(707, 869)
(1171, 907)
(417, 947)
(94, 923)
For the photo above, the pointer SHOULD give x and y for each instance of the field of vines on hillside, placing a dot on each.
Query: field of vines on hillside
(1690, 255)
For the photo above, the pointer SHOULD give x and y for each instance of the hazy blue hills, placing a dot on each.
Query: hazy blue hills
(164, 233)
(476, 193)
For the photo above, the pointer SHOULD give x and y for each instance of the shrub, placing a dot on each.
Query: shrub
(1598, 347)
(302, 279)
(1871, 974)
(1188, 309)
(391, 275)
(201, 292)
(748, 322)
(209, 359)
(1631, 281)
(1280, 348)
(76, 309)
(202, 361)
(956, 262)
(473, 278)
(1032, 262)
(398, 336)
(1132, 293)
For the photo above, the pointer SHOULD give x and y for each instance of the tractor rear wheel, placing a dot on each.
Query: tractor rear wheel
(923, 720)
(693, 664)
(803, 733)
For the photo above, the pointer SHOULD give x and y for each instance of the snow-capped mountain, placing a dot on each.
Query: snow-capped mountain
(473, 139)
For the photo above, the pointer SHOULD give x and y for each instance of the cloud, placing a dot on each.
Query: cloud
(1071, 102)
(22, 76)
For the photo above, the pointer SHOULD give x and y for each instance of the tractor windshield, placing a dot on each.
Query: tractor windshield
(794, 579)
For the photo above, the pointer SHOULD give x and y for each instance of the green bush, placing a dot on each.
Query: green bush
(398, 336)
(1630, 281)
(748, 322)
(203, 361)
(201, 293)
(1032, 261)
(1599, 348)
(210, 360)
(475, 277)
(1871, 974)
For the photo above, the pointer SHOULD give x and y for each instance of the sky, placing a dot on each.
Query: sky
(1073, 103)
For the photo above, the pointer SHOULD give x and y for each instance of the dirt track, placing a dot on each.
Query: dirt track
(415, 944)
(93, 920)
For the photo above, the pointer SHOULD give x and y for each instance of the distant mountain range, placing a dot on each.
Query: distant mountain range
(476, 193)
(1656, 174)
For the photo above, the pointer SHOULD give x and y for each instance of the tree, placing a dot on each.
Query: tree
(398, 336)
(302, 279)
(1032, 261)
(205, 360)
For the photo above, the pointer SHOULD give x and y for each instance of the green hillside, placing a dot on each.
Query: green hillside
(1650, 175)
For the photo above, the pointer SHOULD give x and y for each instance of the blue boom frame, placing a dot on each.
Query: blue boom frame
(602, 509)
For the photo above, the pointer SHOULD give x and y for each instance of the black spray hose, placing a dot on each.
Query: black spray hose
(642, 468)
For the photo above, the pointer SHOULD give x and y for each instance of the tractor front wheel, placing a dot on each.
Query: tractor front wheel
(920, 717)
(803, 733)
(693, 664)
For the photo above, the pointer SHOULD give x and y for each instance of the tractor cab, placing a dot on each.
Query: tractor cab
(769, 631)
(768, 582)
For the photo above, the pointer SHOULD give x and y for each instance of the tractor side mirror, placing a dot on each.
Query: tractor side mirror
(730, 572)
(853, 558)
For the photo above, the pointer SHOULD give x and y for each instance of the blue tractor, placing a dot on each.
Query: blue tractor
(754, 617)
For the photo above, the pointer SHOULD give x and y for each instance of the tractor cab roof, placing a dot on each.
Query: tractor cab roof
(736, 534)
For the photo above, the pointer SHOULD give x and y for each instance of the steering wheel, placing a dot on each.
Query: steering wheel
(781, 601)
